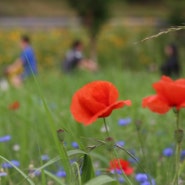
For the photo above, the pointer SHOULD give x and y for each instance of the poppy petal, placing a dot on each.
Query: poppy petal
(156, 104)
(95, 99)
(108, 110)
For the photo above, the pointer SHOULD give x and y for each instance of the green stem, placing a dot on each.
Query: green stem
(106, 128)
(178, 137)
(115, 153)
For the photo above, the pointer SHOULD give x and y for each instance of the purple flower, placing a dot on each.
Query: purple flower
(141, 177)
(168, 152)
(121, 180)
(2, 174)
(61, 173)
(98, 172)
(120, 143)
(152, 182)
(8, 165)
(132, 160)
(5, 138)
(124, 121)
(144, 179)
(182, 155)
(74, 145)
(45, 157)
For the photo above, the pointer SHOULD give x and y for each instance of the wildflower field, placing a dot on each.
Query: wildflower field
(57, 130)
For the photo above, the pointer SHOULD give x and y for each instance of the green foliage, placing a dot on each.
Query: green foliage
(93, 13)
(103, 179)
(87, 169)
(176, 15)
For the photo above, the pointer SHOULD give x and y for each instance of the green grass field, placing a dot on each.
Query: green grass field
(31, 128)
(45, 108)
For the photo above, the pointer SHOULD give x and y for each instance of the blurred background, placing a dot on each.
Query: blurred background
(112, 30)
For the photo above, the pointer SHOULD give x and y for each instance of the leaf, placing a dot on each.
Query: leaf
(102, 179)
(87, 169)
(75, 152)
(20, 171)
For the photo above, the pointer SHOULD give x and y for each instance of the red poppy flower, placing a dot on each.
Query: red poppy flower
(95, 100)
(14, 106)
(120, 164)
(170, 94)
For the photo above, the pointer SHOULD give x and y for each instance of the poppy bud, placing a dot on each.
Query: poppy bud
(109, 143)
(60, 134)
(179, 135)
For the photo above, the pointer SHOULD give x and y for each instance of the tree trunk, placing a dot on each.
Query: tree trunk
(93, 48)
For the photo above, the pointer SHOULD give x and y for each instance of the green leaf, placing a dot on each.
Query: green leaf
(103, 179)
(87, 169)
(26, 177)
(75, 152)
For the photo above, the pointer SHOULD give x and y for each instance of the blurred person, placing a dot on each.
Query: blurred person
(24, 66)
(74, 59)
(171, 66)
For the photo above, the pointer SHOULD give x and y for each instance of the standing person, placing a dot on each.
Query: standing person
(74, 59)
(171, 66)
(27, 62)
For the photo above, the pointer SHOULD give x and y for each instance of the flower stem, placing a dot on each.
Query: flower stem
(106, 128)
(178, 138)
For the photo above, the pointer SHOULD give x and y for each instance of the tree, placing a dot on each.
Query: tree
(93, 14)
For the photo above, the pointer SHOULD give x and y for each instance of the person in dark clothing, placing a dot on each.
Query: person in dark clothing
(74, 59)
(171, 66)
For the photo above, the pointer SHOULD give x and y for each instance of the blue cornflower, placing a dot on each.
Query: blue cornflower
(182, 155)
(132, 160)
(5, 138)
(152, 182)
(45, 157)
(144, 179)
(168, 152)
(98, 172)
(61, 173)
(8, 165)
(74, 144)
(141, 177)
(120, 143)
(121, 180)
(2, 174)
(124, 121)
(37, 173)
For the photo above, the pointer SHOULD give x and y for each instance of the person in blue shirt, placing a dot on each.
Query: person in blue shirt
(27, 62)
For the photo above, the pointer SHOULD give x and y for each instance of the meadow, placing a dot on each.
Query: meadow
(32, 114)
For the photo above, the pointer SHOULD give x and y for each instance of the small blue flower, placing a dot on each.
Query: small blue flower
(168, 152)
(2, 174)
(45, 157)
(124, 121)
(119, 171)
(36, 172)
(5, 138)
(120, 143)
(61, 173)
(144, 179)
(8, 165)
(182, 155)
(75, 145)
(152, 182)
(98, 172)
(141, 177)
(132, 160)
(121, 180)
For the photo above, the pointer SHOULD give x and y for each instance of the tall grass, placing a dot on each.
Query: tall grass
(30, 128)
